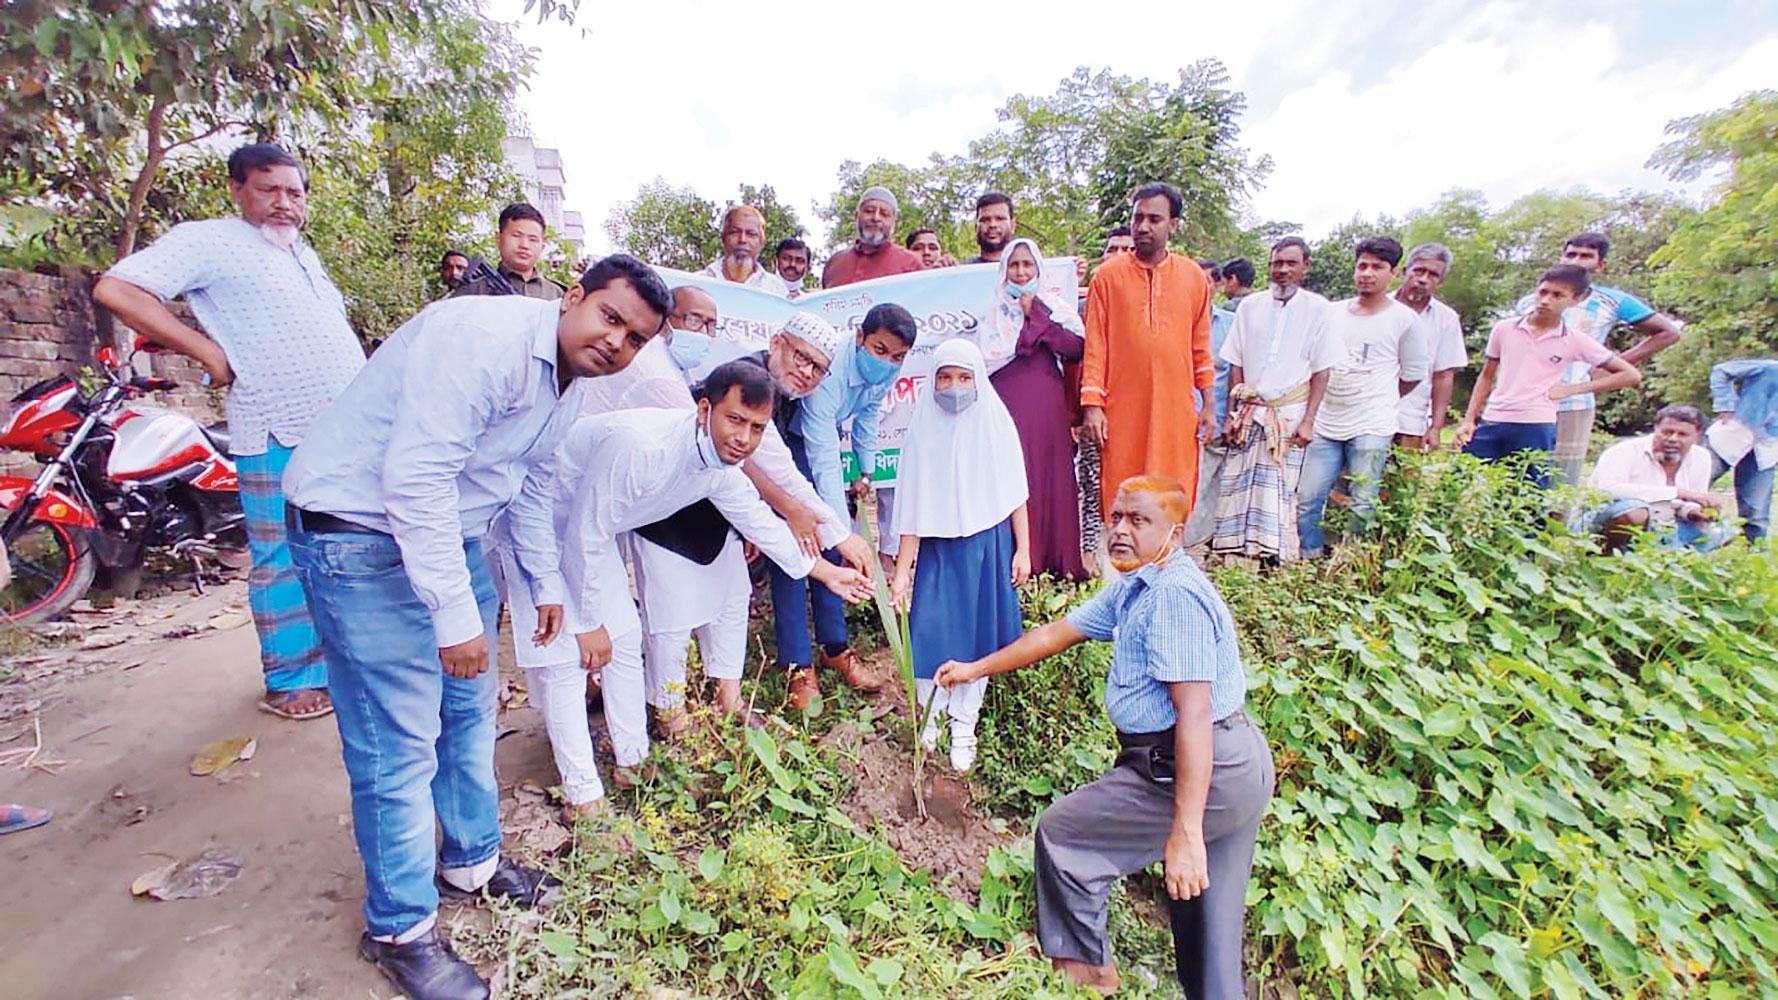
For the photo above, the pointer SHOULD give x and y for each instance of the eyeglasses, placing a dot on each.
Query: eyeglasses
(803, 359)
(695, 322)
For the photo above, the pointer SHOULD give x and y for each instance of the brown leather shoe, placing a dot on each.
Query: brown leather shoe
(853, 671)
(803, 690)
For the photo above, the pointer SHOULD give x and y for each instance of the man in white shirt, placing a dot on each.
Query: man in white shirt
(618, 472)
(456, 417)
(1421, 422)
(279, 338)
(743, 237)
(1382, 357)
(1279, 354)
(1659, 482)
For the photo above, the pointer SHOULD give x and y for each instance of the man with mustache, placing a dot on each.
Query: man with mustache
(874, 254)
(995, 225)
(790, 258)
(743, 237)
(457, 418)
(275, 333)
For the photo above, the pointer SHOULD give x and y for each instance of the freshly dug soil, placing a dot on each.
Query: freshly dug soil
(952, 841)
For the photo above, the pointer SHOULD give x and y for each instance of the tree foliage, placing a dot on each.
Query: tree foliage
(1070, 160)
(1719, 268)
(677, 227)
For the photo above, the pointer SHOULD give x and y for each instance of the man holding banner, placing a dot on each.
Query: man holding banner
(1147, 347)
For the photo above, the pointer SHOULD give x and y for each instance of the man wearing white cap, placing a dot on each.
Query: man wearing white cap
(875, 254)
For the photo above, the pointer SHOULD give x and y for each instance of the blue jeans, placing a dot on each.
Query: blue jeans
(417, 743)
(1753, 493)
(791, 598)
(1680, 535)
(1495, 439)
(1362, 457)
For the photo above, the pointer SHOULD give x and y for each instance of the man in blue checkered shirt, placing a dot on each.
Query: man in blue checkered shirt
(1194, 773)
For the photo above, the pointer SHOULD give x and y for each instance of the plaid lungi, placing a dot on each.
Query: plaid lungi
(1574, 431)
(289, 648)
(1256, 513)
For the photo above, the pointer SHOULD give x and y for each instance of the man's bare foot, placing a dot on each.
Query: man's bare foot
(672, 723)
(300, 704)
(1101, 978)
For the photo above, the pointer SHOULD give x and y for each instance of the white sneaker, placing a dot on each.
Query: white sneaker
(962, 747)
(929, 738)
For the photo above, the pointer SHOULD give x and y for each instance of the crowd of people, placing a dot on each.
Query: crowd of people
(596, 457)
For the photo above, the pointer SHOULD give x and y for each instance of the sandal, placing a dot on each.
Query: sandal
(14, 818)
(279, 703)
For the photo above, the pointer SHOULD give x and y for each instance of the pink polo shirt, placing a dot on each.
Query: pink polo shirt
(1530, 366)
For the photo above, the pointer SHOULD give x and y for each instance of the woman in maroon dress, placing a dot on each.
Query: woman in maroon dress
(1027, 336)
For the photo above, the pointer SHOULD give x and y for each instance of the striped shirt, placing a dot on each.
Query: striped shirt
(1166, 625)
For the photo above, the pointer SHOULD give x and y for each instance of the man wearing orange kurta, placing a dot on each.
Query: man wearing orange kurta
(1148, 347)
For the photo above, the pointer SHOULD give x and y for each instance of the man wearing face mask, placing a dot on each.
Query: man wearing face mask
(743, 237)
(619, 472)
(874, 254)
(790, 259)
(850, 396)
(797, 360)
(1194, 773)
(275, 332)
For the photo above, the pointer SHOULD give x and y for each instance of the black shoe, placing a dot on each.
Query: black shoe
(425, 968)
(528, 887)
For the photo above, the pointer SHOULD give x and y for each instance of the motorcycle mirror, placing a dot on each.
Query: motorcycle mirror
(143, 345)
(107, 357)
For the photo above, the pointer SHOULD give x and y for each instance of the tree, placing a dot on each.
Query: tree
(1720, 266)
(1071, 159)
(1331, 260)
(665, 225)
(781, 220)
(97, 96)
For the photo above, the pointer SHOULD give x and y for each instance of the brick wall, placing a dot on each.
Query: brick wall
(49, 326)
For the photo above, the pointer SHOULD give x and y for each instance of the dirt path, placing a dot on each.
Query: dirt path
(288, 926)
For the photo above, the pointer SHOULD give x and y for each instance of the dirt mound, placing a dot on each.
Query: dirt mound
(952, 841)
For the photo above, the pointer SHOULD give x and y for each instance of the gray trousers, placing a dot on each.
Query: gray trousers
(1119, 825)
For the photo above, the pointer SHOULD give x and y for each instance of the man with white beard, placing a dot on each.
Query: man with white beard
(275, 332)
(743, 237)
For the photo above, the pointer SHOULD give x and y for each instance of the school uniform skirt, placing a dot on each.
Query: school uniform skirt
(964, 604)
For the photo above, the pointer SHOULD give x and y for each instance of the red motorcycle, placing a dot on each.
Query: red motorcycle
(119, 478)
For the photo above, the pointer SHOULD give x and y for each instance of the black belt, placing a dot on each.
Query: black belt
(1151, 754)
(318, 522)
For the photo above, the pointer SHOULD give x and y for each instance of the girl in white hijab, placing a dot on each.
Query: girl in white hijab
(960, 511)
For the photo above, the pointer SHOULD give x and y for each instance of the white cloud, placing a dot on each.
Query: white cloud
(715, 94)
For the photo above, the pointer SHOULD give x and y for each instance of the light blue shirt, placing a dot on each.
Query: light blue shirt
(1221, 321)
(456, 417)
(274, 312)
(1748, 388)
(842, 396)
(1596, 316)
(1165, 625)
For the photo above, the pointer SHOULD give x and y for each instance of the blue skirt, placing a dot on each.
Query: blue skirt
(964, 604)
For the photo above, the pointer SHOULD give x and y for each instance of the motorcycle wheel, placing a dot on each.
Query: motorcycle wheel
(52, 567)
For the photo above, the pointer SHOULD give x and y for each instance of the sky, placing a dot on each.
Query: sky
(1364, 109)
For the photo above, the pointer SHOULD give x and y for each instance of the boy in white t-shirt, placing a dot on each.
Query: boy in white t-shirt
(1382, 355)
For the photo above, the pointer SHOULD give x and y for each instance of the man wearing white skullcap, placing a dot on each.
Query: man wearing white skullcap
(875, 254)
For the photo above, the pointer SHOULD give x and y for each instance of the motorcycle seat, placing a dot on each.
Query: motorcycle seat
(218, 435)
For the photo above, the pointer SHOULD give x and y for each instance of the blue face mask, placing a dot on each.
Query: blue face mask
(955, 399)
(688, 348)
(1016, 291)
(873, 368)
(707, 450)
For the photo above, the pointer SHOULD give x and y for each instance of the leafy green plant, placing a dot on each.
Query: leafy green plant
(746, 879)
(1509, 767)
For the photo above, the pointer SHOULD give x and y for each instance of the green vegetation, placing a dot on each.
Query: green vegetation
(1508, 768)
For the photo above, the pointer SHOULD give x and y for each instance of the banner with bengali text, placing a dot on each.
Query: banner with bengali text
(946, 302)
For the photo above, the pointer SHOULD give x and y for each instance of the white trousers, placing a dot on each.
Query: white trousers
(559, 692)
(961, 702)
(722, 642)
